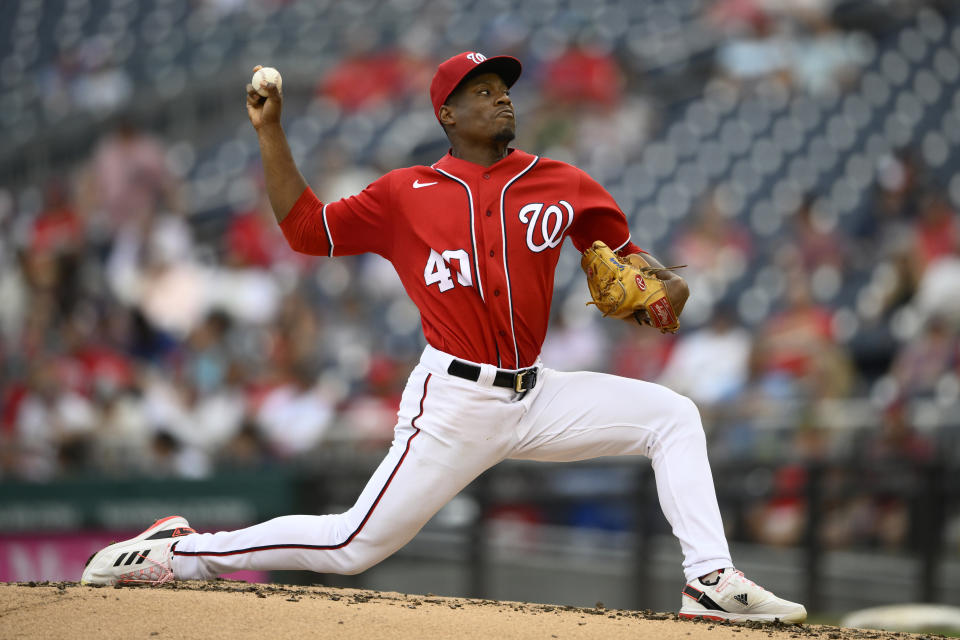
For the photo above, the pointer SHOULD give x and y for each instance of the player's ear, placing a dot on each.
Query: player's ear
(446, 116)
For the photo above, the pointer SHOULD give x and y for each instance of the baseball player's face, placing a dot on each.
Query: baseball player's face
(482, 109)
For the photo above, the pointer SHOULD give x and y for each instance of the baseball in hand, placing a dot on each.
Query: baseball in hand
(263, 76)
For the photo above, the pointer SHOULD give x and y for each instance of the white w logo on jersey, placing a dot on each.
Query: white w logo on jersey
(554, 222)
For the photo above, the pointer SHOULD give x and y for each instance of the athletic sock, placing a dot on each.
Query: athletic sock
(711, 578)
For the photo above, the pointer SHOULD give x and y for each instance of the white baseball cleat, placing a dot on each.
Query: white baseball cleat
(737, 599)
(144, 559)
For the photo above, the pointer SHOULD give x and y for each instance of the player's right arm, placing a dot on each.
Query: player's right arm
(346, 227)
(283, 179)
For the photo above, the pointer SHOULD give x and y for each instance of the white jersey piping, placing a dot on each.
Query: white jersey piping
(506, 270)
(326, 228)
(473, 232)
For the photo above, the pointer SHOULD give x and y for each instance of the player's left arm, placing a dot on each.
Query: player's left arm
(602, 219)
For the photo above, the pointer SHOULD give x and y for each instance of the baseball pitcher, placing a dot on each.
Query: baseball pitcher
(475, 239)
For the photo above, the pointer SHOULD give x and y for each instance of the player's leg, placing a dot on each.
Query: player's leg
(424, 468)
(398, 500)
(581, 415)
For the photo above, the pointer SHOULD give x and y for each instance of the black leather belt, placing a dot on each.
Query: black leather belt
(519, 381)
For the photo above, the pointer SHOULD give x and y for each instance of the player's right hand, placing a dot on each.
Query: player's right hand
(264, 111)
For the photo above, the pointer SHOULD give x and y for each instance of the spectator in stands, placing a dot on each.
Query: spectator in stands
(937, 290)
(885, 227)
(878, 513)
(896, 439)
(936, 233)
(370, 415)
(922, 362)
(752, 48)
(795, 43)
(796, 346)
(89, 364)
(716, 248)
(710, 364)
(122, 438)
(574, 345)
(246, 451)
(340, 176)
(822, 58)
(206, 353)
(884, 236)
(584, 109)
(295, 416)
(49, 421)
(50, 258)
(155, 270)
(297, 336)
(641, 354)
(104, 86)
(57, 235)
(193, 398)
(584, 76)
(126, 181)
(780, 519)
(815, 240)
(84, 76)
(373, 78)
(252, 238)
(168, 458)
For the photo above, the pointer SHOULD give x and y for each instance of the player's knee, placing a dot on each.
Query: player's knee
(359, 565)
(353, 569)
(359, 558)
(687, 416)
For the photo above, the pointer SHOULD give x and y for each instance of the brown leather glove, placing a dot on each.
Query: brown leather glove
(628, 288)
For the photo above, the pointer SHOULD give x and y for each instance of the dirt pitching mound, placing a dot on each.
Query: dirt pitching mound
(235, 610)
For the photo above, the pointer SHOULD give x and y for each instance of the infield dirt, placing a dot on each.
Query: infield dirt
(236, 610)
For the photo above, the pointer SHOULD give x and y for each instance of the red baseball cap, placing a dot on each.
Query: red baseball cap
(451, 73)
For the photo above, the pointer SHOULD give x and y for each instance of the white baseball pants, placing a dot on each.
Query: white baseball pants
(449, 430)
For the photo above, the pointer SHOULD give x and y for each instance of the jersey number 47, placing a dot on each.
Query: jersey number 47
(438, 269)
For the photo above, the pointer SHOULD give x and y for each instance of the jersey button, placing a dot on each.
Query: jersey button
(502, 333)
(491, 254)
(489, 213)
(496, 292)
(486, 176)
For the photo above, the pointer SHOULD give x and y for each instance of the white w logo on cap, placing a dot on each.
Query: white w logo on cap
(476, 57)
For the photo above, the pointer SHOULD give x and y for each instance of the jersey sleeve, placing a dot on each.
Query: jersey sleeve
(600, 218)
(357, 224)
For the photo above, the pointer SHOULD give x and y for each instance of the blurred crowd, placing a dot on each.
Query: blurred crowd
(135, 340)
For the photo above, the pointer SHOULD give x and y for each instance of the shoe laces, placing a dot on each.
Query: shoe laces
(154, 574)
(730, 576)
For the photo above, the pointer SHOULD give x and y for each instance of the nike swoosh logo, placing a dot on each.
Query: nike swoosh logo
(419, 185)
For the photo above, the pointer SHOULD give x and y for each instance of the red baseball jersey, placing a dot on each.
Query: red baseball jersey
(475, 247)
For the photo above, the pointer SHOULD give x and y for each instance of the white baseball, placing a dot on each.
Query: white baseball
(263, 76)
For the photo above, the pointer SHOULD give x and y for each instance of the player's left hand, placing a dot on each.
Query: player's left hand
(676, 286)
(636, 287)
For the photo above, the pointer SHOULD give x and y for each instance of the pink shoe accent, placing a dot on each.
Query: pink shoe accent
(159, 522)
(155, 574)
(693, 616)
